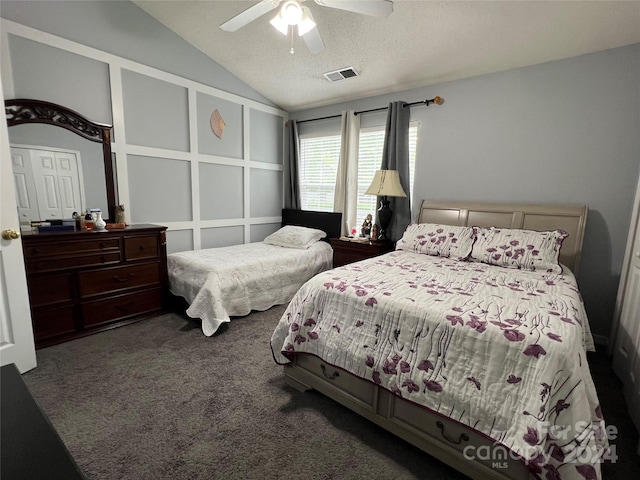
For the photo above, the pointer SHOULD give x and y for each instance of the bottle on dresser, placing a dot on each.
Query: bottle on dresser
(88, 221)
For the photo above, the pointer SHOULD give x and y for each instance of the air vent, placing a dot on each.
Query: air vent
(341, 74)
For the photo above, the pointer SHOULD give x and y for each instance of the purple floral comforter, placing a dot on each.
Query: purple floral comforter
(499, 350)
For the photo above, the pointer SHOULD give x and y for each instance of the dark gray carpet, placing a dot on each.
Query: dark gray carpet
(158, 400)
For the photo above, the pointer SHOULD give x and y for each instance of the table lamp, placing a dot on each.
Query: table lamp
(386, 183)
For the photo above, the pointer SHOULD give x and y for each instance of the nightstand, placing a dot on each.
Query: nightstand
(345, 251)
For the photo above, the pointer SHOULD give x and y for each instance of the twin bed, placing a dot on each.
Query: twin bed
(468, 342)
(219, 283)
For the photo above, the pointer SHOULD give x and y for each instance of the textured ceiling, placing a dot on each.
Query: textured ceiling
(420, 43)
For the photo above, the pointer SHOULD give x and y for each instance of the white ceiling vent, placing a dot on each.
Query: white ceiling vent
(341, 74)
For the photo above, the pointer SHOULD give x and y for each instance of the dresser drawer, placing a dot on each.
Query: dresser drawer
(51, 289)
(75, 248)
(61, 263)
(121, 306)
(96, 282)
(52, 322)
(137, 248)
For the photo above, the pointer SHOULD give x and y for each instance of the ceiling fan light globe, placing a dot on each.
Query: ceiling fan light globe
(306, 24)
(291, 12)
(280, 24)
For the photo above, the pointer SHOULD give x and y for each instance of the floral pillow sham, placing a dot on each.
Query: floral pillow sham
(437, 240)
(520, 249)
(292, 236)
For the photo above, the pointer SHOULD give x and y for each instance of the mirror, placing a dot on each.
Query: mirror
(60, 137)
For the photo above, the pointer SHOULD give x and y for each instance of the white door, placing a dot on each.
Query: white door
(632, 312)
(47, 182)
(16, 333)
(45, 175)
(25, 187)
(626, 354)
(68, 183)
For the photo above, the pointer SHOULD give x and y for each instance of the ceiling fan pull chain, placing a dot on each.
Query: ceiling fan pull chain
(291, 51)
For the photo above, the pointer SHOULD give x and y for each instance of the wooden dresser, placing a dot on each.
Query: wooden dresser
(84, 282)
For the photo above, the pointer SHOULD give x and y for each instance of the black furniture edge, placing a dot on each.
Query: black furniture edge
(31, 447)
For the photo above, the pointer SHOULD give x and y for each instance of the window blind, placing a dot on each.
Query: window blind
(370, 159)
(318, 169)
(319, 157)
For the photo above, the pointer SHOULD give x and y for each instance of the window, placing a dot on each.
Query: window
(369, 160)
(318, 169)
(319, 157)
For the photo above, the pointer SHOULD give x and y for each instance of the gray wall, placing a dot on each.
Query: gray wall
(121, 28)
(561, 132)
(211, 211)
(77, 82)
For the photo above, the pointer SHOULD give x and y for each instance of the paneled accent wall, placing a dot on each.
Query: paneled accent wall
(172, 169)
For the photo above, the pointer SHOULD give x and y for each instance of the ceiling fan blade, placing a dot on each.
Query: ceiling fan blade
(375, 8)
(249, 15)
(313, 41)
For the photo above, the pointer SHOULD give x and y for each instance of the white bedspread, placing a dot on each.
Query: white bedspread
(232, 281)
(499, 350)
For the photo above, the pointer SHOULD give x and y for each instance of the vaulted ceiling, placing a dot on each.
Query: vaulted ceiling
(419, 44)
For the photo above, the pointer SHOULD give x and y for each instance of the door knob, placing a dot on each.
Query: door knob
(10, 234)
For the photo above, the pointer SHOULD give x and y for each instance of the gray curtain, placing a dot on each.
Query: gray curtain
(292, 188)
(395, 156)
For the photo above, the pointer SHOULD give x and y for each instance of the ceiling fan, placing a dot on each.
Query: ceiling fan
(292, 13)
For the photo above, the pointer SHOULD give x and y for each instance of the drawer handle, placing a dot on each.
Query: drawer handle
(463, 436)
(124, 307)
(333, 376)
(141, 247)
(35, 251)
(123, 279)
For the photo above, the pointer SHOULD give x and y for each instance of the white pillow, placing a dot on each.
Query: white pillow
(439, 240)
(292, 236)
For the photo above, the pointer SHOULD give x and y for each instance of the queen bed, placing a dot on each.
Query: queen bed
(220, 283)
(467, 341)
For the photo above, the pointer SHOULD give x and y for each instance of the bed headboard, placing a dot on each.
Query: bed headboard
(328, 222)
(571, 219)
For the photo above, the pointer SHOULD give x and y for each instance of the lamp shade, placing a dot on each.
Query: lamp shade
(386, 183)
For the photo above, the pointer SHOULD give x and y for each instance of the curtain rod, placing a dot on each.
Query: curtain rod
(436, 100)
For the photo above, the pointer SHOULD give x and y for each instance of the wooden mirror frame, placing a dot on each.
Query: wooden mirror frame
(22, 110)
